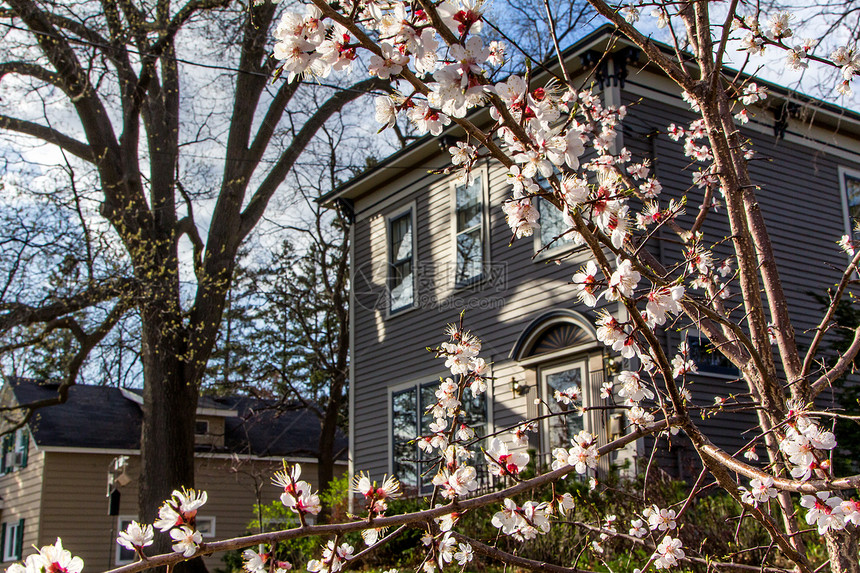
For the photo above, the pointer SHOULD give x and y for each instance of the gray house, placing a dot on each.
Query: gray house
(424, 248)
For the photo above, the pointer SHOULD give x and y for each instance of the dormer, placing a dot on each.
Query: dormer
(209, 421)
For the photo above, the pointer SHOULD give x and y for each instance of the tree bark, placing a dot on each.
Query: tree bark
(328, 433)
(169, 408)
(842, 547)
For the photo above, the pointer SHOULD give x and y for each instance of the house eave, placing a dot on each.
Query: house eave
(391, 167)
(206, 455)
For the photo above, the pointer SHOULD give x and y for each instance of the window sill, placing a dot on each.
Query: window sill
(391, 314)
(720, 375)
(559, 252)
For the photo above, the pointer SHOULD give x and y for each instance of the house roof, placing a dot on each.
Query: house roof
(601, 38)
(102, 417)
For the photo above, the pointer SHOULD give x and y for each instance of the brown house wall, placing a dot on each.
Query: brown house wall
(72, 488)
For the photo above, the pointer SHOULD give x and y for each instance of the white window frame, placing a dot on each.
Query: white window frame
(18, 449)
(845, 172)
(416, 384)
(205, 432)
(206, 519)
(585, 393)
(410, 211)
(122, 522)
(482, 172)
(10, 540)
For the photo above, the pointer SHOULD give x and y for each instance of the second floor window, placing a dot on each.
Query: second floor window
(851, 185)
(469, 206)
(552, 226)
(400, 261)
(707, 358)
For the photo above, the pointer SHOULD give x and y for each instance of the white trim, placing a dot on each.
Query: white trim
(843, 193)
(612, 98)
(206, 455)
(411, 208)
(559, 354)
(12, 556)
(215, 412)
(584, 391)
(812, 135)
(119, 527)
(79, 450)
(212, 531)
(351, 388)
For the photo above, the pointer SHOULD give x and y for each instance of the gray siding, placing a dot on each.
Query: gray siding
(800, 197)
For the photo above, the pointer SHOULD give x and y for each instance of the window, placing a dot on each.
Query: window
(201, 427)
(400, 261)
(469, 241)
(560, 430)
(123, 555)
(409, 419)
(552, 226)
(707, 358)
(12, 534)
(206, 526)
(14, 450)
(850, 181)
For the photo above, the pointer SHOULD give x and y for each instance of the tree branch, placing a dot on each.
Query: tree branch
(252, 213)
(74, 146)
(16, 314)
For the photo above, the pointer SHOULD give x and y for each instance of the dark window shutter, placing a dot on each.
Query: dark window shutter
(19, 539)
(3, 540)
(25, 445)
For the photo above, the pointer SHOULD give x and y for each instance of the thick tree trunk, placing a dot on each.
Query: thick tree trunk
(842, 548)
(328, 433)
(167, 433)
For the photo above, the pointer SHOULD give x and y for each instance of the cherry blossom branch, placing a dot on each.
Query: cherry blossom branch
(511, 559)
(389, 521)
(707, 562)
(823, 326)
(673, 70)
(845, 361)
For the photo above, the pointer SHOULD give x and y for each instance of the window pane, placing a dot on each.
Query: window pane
(401, 238)
(563, 428)
(428, 398)
(469, 255)
(708, 359)
(852, 188)
(401, 285)
(474, 414)
(125, 555)
(469, 205)
(400, 265)
(552, 225)
(403, 419)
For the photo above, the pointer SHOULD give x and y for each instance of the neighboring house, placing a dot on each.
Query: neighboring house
(424, 247)
(54, 472)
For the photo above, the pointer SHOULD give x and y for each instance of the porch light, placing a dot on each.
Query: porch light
(517, 388)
